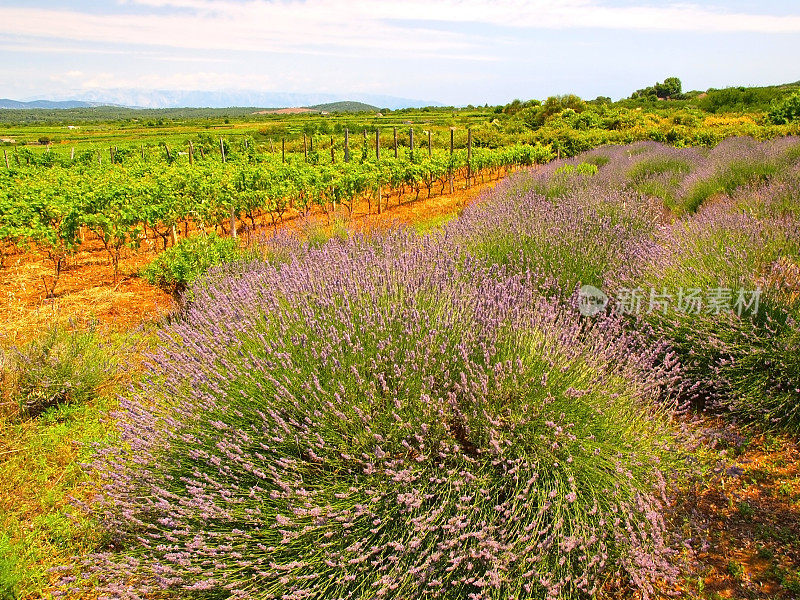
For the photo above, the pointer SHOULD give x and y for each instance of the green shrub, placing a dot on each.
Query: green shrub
(584, 168)
(707, 138)
(62, 367)
(786, 111)
(178, 267)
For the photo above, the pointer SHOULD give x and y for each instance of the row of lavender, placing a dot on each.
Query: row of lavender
(434, 417)
(702, 248)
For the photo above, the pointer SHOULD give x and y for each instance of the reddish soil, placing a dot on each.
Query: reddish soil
(742, 520)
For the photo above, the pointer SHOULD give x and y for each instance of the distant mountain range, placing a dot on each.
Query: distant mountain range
(47, 104)
(218, 99)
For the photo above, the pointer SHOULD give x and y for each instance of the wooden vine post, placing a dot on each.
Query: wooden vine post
(450, 166)
(71, 154)
(469, 157)
(305, 147)
(333, 156)
(430, 151)
(5, 157)
(411, 140)
(283, 150)
(395, 142)
(191, 153)
(377, 160)
(346, 145)
(233, 209)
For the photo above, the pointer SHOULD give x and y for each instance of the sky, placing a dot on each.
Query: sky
(453, 52)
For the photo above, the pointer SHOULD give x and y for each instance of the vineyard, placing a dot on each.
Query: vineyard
(54, 202)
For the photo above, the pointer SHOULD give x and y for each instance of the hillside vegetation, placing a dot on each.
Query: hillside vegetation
(345, 107)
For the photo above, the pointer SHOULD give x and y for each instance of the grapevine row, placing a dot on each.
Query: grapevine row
(122, 203)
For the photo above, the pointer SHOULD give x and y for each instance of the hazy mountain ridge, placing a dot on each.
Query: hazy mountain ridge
(133, 98)
(47, 104)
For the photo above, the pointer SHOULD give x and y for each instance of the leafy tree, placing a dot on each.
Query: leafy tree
(786, 111)
(669, 88)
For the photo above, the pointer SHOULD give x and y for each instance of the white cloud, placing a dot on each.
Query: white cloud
(312, 27)
(545, 14)
(404, 47)
(359, 27)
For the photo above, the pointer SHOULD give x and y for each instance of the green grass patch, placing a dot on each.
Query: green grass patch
(39, 473)
(61, 367)
(428, 225)
(598, 160)
(41, 456)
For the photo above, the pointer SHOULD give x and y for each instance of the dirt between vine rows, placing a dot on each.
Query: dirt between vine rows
(86, 291)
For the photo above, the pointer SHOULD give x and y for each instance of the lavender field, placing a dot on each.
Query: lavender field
(502, 408)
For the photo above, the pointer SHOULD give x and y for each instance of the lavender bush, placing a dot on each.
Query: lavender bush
(578, 239)
(735, 163)
(573, 228)
(778, 199)
(746, 359)
(387, 418)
